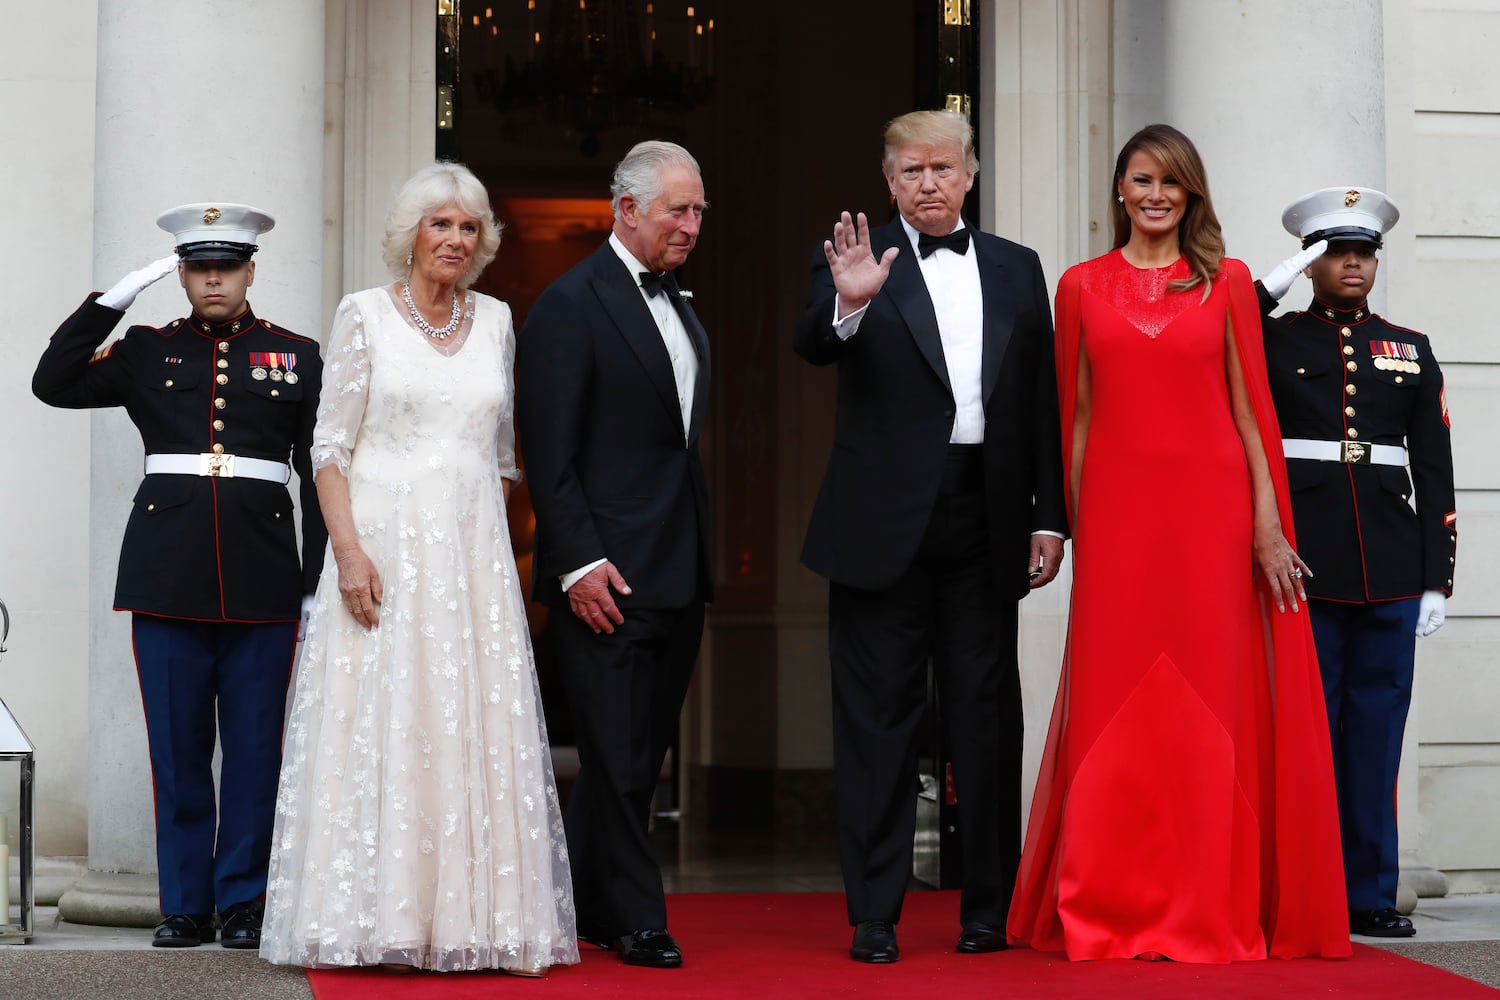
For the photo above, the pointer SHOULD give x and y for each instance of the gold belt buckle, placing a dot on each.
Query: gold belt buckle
(217, 466)
(1355, 453)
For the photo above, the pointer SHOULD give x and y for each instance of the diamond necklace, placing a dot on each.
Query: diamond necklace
(441, 333)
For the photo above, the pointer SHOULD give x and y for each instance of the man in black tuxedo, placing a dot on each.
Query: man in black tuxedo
(612, 373)
(941, 506)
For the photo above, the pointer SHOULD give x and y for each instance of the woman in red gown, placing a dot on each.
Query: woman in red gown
(1185, 806)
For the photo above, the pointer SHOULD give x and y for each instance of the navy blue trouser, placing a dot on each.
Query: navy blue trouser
(1365, 653)
(211, 855)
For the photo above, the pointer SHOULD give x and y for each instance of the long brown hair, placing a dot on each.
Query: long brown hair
(1199, 238)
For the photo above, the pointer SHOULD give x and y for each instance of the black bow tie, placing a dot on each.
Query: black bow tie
(957, 241)
(653, 283)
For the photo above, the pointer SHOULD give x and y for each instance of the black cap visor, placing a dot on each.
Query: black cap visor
(214, 250)
(1343, 234)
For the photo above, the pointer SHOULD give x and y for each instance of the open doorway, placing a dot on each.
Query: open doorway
(782, 102)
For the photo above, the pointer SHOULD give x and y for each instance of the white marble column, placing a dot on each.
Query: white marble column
(212, 100)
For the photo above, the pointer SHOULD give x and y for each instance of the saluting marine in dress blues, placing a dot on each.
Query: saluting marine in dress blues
(1366, 434)
(209, 566)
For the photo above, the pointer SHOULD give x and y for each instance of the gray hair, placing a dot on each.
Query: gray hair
(930, 128)
(640, 173)
(428, 190)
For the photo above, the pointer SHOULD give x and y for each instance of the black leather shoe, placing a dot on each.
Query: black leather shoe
(874, 942)
(653, 949)
(241, 924)
(979, 937)
(184, 930)
(1380, 923)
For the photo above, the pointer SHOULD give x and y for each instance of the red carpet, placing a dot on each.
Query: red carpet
(785, 946)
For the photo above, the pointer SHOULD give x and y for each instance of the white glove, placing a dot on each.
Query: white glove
(307, 605)
(128, 287)
(1432, 612)
(1279, 281)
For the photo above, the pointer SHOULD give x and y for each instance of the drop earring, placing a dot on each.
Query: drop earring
(1119, 197)
(408, 258)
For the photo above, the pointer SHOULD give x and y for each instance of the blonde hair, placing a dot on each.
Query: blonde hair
(929, 128)
(428, 190)
(1199, 238)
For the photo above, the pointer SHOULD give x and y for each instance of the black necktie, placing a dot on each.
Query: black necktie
(957, 241)
(653, 283)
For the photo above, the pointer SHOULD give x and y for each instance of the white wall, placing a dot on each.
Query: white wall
(1443, 102)
(47, 173)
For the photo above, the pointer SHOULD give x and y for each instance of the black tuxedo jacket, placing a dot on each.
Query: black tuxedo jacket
(197, 547)
(611, 473)
(896, 408)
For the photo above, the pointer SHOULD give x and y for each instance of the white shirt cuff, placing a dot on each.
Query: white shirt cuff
(568, 579)
(849, 325)
(1044, 531)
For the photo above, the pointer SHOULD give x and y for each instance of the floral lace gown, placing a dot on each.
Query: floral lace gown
(417, 819)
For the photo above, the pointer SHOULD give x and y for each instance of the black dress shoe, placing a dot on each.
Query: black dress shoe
(653, 949)
(1380, 923)
(184, 930)
(874, 942)
(241, 924)
(979, 937)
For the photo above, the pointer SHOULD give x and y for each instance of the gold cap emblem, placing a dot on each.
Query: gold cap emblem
(212, 215)
(1351, 198)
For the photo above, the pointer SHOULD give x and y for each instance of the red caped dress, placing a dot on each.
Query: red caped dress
(1185, 804)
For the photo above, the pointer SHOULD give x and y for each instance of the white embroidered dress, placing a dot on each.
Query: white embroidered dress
(417, 819)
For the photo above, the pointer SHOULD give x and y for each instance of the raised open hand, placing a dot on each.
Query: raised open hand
(857, 275)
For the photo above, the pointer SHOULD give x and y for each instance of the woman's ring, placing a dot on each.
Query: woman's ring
(1297, 574)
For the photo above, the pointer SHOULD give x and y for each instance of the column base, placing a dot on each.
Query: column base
(112, 899)
(1418, 881)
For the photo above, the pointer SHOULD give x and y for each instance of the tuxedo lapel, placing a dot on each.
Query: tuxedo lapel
(999, 314)
(699, 337)
(621, 298)
(908, 292)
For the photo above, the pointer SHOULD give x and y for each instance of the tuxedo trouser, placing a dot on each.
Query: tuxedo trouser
(212, 854)
(1366, 654)
(626, 691)
(947, 608)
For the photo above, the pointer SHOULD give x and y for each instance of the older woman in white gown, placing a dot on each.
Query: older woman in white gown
(417, 821)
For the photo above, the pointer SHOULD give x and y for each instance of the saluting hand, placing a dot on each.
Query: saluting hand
(1281, 277)
(857, 275)
(127, 288)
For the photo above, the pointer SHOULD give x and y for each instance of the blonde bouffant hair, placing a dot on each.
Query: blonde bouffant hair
(929, 128)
